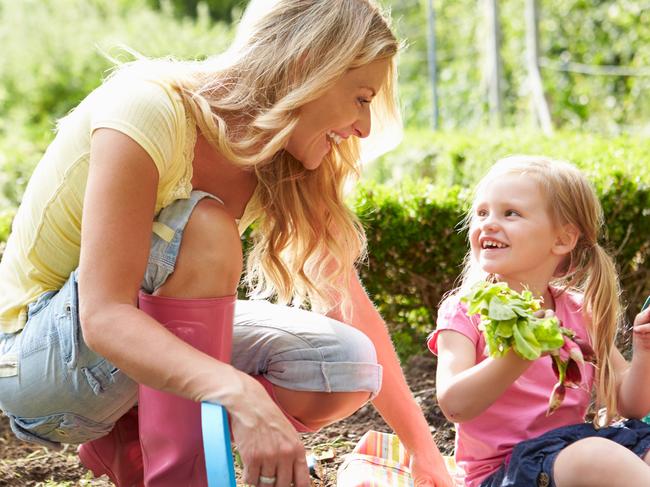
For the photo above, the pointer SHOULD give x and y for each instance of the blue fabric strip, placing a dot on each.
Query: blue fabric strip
(216, 446)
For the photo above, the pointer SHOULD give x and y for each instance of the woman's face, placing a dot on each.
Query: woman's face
(342, 111)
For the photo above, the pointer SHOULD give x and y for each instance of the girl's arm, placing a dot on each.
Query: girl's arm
(466, 389)
(395, 402)
(633, 379)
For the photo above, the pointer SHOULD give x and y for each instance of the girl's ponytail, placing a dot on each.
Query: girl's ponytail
(602, 305)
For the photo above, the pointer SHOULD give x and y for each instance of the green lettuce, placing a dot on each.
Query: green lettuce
(508, 321)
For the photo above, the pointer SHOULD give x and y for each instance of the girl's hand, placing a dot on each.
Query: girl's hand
(268, 444)
(429, 471)
(641, 331)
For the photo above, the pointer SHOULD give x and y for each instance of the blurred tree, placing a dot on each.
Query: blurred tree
(591, 32)
(226, 10)
(539, 104)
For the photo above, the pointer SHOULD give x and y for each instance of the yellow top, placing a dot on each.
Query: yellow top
(43, 248)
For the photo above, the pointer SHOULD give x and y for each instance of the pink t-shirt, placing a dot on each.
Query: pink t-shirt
(485, 442)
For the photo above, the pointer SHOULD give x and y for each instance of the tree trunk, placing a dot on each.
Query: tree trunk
(493, 74)
(539, 104)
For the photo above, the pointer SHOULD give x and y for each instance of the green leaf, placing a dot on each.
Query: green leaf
(499, 310)
(524, 348)
(504, 328)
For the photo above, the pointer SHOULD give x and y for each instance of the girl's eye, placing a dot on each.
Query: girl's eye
(363, 101)
(481, 212)
(512, 213)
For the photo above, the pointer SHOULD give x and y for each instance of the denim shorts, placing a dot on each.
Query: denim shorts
(531, 463)
(55, 390)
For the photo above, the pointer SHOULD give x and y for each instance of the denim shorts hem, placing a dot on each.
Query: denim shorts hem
(327, 377)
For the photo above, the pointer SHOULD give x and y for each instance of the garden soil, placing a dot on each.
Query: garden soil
(26, 465)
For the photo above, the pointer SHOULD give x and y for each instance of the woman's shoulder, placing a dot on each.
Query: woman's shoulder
(133, 93)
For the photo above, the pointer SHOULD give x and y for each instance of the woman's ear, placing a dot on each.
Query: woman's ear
(566, 239)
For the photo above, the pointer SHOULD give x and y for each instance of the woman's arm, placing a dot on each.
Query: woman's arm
(116, 234)
(633, 379)
(466, 389)
(395, 402)
(116, 231)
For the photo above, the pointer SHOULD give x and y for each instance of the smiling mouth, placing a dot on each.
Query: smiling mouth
(489, 244)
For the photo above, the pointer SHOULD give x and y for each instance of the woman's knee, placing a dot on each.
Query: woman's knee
(318, 409)
(209, 261)
(354, 346)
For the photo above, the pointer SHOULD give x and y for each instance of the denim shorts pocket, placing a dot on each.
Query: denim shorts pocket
(67, 327)
(105, 378)
(59, 428)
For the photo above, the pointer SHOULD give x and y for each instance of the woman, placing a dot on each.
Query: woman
(268, 132)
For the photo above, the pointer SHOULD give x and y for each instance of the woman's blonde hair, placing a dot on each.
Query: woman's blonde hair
(588, 269)
(246, 103)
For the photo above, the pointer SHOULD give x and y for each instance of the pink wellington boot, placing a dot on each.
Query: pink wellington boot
(117, 454)
(170, 426)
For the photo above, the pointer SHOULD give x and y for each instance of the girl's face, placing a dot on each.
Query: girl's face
(342, 111)
(512, 234)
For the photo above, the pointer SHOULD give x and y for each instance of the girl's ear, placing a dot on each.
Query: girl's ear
(566, 239)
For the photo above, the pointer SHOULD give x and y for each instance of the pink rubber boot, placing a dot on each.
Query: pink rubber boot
(117, 454)
(170, 426)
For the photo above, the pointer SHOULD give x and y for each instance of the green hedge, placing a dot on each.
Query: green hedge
(414, 254)
(462, 157)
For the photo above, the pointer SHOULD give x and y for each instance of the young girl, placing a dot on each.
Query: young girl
(535, 224)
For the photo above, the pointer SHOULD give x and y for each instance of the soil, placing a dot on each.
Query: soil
(27, 465)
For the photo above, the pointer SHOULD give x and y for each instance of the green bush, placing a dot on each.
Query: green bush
(462, 157)
(414, 252)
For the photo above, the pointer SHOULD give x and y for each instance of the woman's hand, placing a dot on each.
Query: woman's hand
(429, 470)
(268, 444)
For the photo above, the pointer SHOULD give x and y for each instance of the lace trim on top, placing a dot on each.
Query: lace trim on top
(183, 187)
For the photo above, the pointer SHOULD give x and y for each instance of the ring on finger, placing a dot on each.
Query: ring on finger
(267, 480)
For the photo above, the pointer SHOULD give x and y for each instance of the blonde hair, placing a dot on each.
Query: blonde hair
(588, 269)
(246, 103)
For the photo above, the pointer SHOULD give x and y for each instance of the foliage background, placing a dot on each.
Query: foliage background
(54, 54)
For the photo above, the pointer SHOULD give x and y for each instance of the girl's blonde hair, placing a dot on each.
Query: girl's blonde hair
(588, 269)
(246, 103)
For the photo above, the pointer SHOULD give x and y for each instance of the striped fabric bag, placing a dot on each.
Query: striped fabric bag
(378, 460)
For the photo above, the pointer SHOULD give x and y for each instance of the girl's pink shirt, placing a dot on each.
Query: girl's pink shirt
(484, 443)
